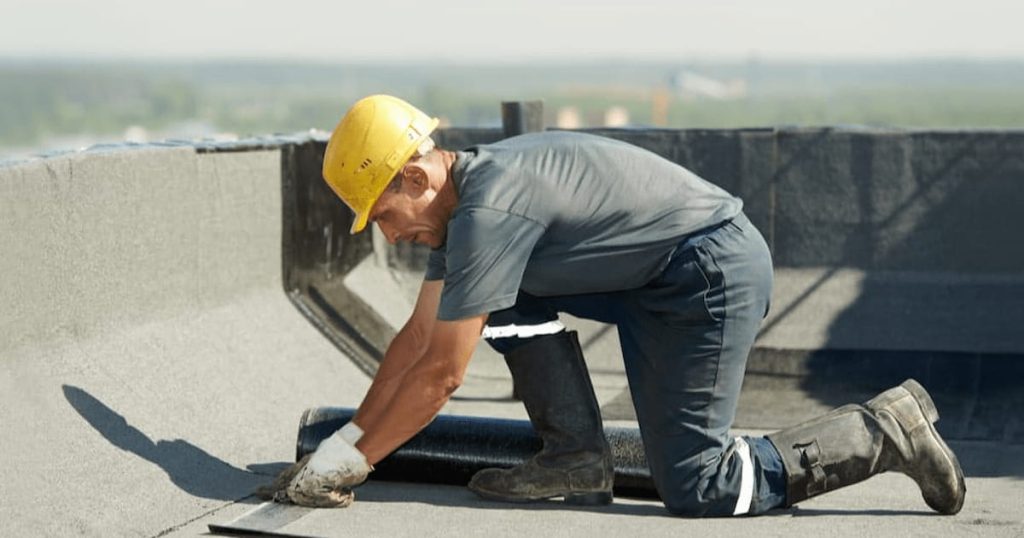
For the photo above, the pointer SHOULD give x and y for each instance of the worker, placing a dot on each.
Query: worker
(545, 223)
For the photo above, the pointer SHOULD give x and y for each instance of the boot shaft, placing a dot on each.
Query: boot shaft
(892, 432)
(837, 449)
(552, 380)
(576, 464)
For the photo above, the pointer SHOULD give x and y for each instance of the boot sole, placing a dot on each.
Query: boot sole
(924, 400)
(593, 498)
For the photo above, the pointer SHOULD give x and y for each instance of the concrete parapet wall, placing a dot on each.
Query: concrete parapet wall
(94, 240)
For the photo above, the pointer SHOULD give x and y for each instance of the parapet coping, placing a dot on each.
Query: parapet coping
(277, 140)
(200, 145)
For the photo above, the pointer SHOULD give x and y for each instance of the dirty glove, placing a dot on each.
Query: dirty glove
(277, 490)
(328, 476)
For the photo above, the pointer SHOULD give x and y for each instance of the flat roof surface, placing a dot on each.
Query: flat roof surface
(153, 372)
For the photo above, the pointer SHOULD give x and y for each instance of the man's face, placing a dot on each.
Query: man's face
(407, 215)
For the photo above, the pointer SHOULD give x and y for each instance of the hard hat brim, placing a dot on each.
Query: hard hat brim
(359, 222)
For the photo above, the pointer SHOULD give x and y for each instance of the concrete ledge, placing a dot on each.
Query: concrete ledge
(847, 308)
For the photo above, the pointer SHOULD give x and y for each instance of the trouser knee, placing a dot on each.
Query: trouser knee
(746, 479)
(681, 487)
(685, 504)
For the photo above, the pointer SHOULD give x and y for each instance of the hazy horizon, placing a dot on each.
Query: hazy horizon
(548, 61)
(75, 73)
(528, 31)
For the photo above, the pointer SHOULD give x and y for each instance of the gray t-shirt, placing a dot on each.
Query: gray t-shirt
(562, 213)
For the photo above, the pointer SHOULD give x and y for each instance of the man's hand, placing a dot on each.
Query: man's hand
(327, 478)
(277, 490)
(323, 479)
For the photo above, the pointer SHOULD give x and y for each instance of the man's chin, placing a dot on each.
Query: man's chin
(427, 239)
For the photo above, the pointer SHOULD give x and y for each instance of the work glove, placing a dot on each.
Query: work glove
(325, 478)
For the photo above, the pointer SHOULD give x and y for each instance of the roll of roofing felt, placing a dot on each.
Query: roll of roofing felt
(453, 448)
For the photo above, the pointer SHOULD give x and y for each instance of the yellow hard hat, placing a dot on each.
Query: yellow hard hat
(368, 147)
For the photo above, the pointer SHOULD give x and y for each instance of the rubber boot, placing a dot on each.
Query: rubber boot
(576, 461)
(894, 431)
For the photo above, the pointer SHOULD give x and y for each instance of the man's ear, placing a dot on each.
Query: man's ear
(415, 177)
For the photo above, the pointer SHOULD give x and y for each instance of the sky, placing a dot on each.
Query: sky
(512, 30)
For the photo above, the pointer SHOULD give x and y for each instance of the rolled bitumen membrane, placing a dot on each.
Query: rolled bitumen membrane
(453, 448)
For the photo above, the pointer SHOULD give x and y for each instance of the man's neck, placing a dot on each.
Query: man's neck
(447, 195)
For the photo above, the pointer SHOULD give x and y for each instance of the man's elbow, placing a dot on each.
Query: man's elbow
(444, 380)
(449, 382)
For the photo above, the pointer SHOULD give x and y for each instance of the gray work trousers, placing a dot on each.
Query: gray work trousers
(685, 338)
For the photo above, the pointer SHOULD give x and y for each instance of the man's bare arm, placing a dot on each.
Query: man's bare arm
(424, 389)
(405, 349)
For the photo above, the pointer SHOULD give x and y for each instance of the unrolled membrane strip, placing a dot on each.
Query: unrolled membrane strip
(453, 448)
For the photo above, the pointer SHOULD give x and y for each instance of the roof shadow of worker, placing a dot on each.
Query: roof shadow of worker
(189, 467)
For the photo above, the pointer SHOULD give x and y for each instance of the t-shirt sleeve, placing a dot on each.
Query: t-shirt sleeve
(435, 265)
(487, 252)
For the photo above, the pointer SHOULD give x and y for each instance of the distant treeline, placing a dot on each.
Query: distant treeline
(41, 100)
